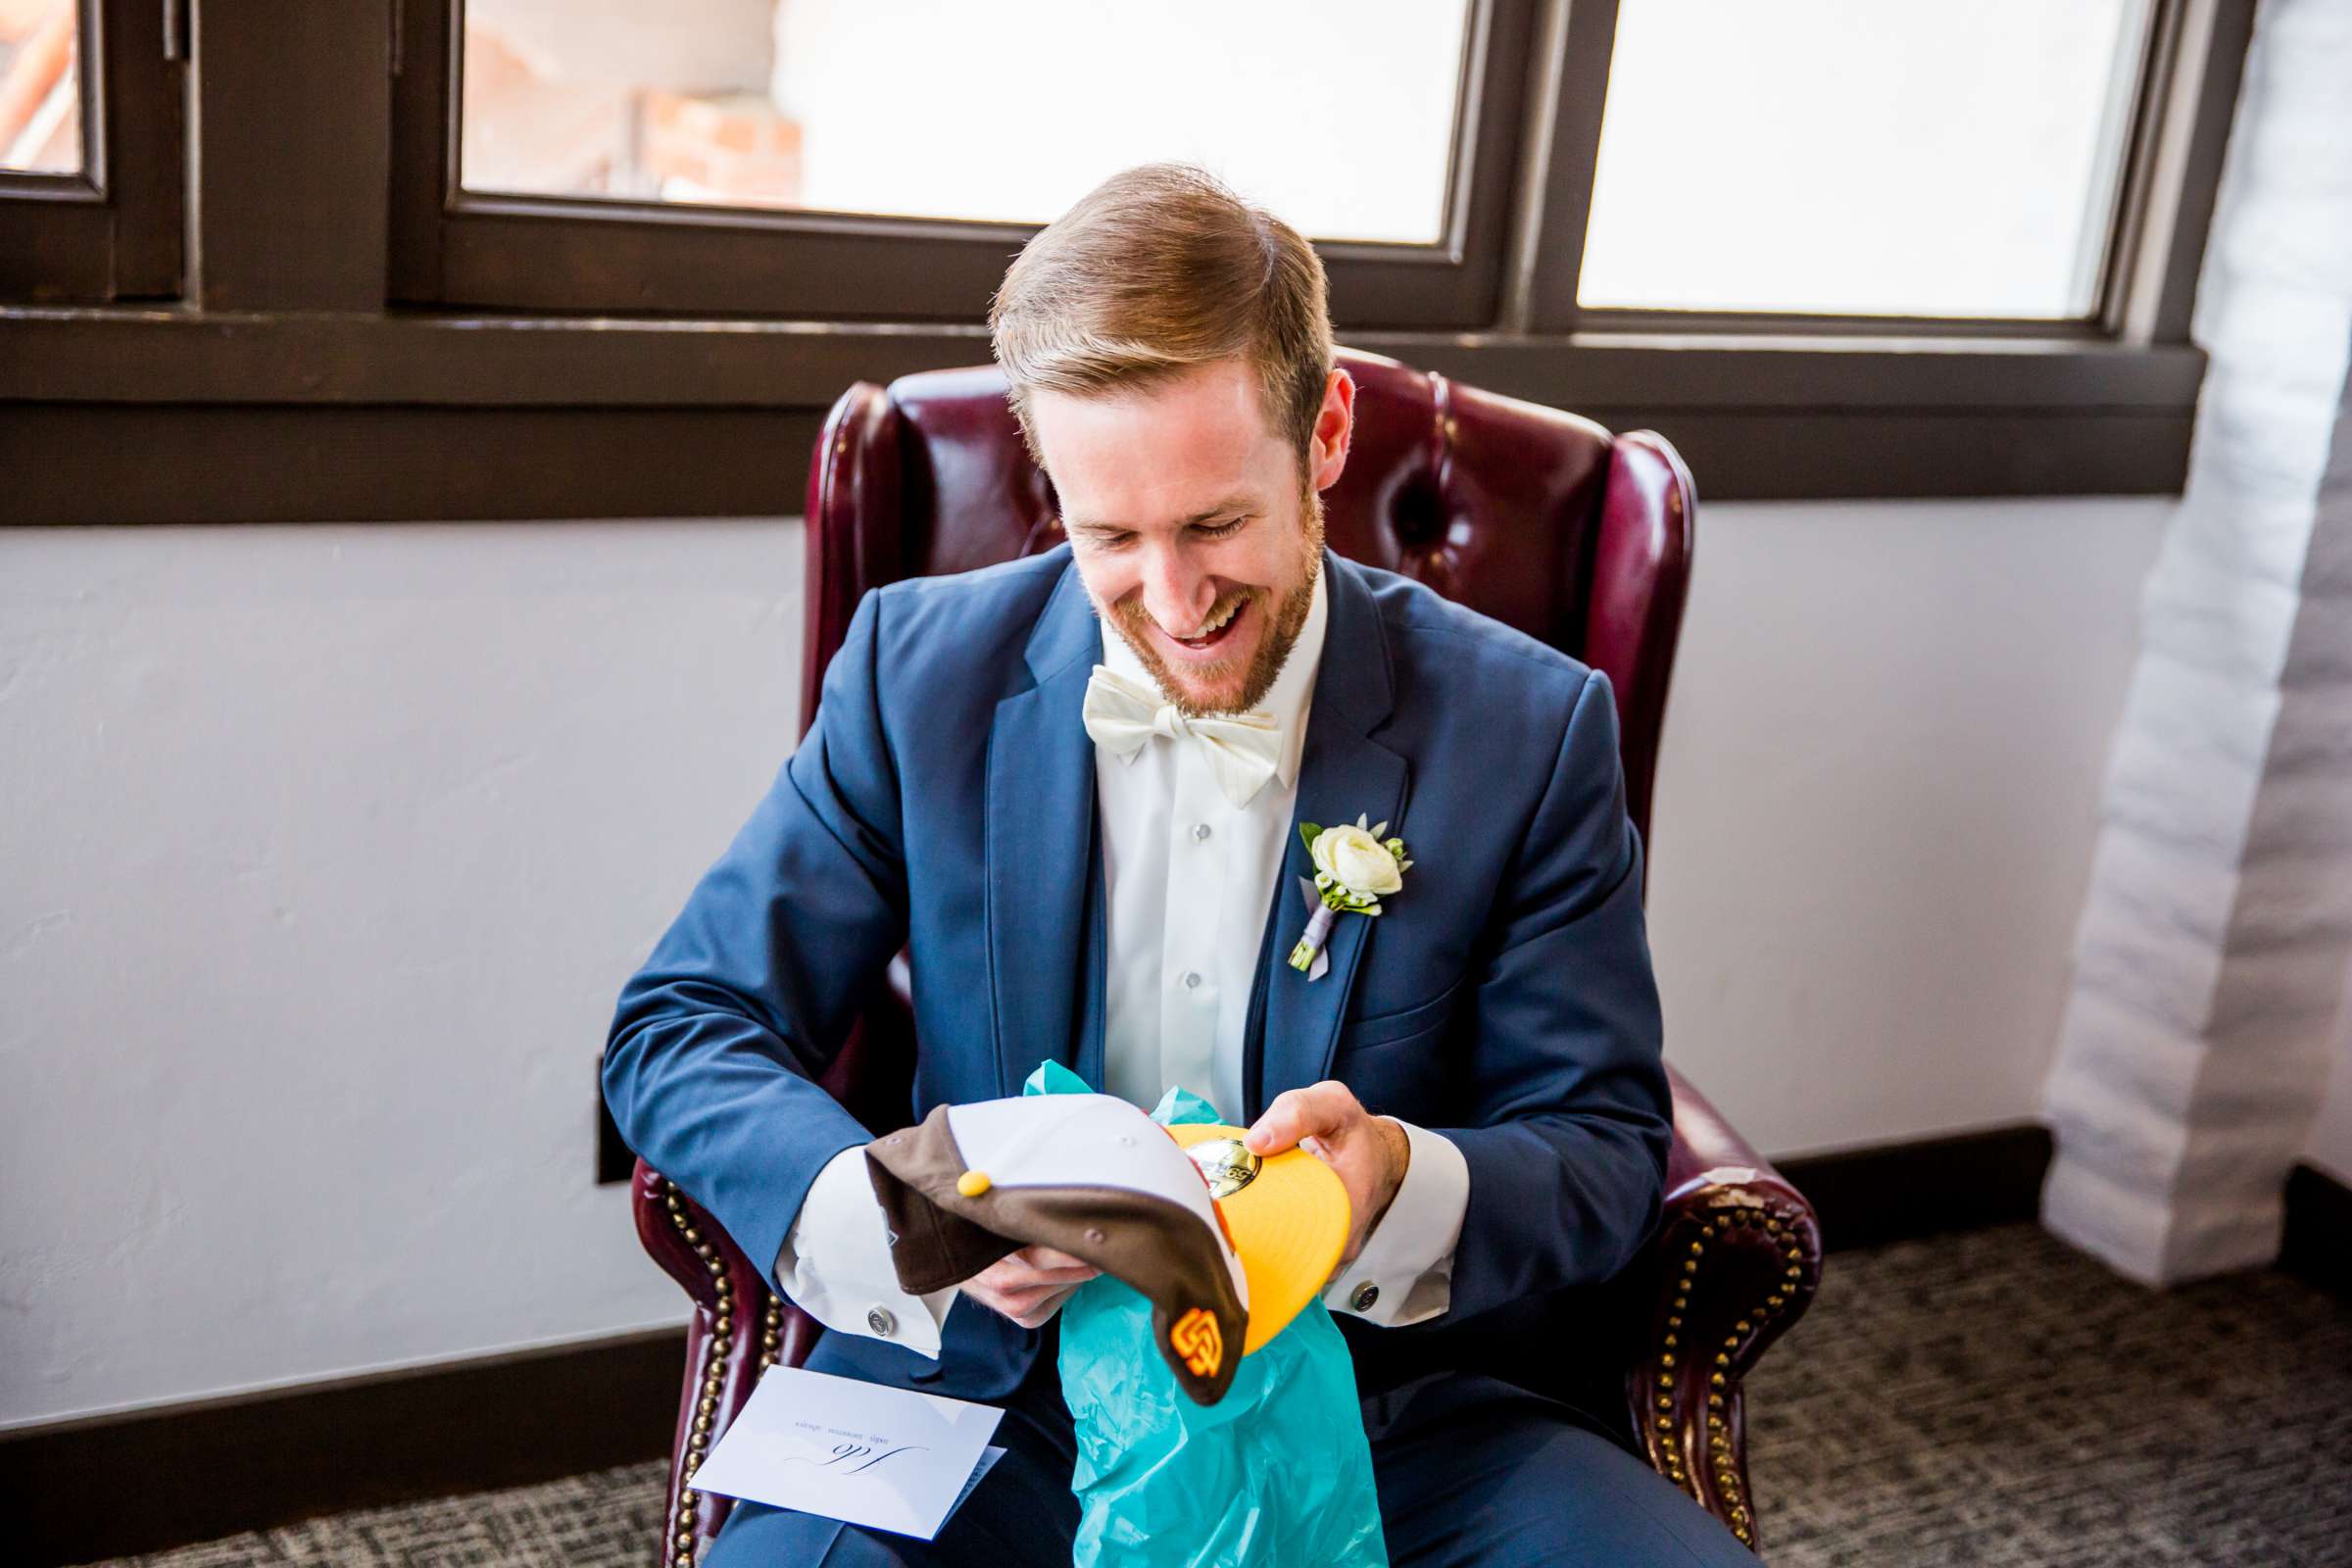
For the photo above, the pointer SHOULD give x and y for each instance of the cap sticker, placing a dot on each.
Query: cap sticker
(1227, 1164)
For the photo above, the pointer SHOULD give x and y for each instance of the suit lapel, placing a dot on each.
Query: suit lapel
(1343, 774)
(1040, 846)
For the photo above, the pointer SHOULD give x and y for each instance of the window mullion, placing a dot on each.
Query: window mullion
(293, 114)
(1550, 250)
(2167, 197)
(144, 119)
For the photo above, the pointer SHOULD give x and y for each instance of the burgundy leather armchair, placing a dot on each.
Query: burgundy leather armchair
(1537, 518)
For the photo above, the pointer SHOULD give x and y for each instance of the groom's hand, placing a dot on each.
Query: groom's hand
(1029, 1286)
(1369, 1153)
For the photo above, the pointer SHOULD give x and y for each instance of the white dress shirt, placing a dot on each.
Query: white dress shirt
(1188, 876)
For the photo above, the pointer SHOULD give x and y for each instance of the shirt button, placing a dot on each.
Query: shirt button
(881, 1322)
(1191, 979)
(1365, 1295)
(1199, 830)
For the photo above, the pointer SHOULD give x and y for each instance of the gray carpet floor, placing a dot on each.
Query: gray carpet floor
(1990, 1398)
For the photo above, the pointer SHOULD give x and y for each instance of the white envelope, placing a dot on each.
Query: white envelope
(883, 1457)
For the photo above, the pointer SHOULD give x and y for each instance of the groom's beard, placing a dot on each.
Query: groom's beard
(1285, 618)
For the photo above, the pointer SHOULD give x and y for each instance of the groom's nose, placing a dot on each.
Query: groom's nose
(1176, 593)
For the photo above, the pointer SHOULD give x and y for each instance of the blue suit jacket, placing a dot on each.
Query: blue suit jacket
(945, 799)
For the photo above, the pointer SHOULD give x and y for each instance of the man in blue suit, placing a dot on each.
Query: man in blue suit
(1071, 786)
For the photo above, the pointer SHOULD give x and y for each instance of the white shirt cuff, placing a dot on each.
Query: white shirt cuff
(1405, 1272)
(835, 1264)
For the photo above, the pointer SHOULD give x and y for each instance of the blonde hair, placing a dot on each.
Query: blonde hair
(1153, 271)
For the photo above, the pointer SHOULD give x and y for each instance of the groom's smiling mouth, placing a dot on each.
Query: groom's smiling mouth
(1216, 630)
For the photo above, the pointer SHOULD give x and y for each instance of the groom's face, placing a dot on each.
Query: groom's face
(1195, 527)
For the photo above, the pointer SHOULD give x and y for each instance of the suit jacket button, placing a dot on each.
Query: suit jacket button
(1365, 1295)
(881, 1322)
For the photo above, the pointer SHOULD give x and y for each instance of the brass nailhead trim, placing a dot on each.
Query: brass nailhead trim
(1728, 1488)
(721, 1356)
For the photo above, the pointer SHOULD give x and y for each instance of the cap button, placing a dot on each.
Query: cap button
(1365, 1295)
(881, 1322)
(972, 1183)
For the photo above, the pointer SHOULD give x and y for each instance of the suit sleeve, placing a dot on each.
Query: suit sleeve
(716, 1042)
(1571, 1113)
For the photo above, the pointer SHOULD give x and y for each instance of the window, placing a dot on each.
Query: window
(835, 159)
(40, 86)
(1849, 157)
(1006, 114)
(90, 165)
(573, 257)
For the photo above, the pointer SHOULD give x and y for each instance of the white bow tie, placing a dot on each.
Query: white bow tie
(1241, 748)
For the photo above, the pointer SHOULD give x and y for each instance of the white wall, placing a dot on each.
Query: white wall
(324, 852)
(1877, 801)
(327, 849)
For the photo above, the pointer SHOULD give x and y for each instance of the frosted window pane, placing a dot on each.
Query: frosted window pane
(1336, 114)
(1860, 157)
(40, 86)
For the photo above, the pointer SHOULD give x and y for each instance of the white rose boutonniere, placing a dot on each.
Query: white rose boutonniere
(1356, 867)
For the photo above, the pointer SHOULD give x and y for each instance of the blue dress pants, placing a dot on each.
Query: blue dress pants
(1471, 1471)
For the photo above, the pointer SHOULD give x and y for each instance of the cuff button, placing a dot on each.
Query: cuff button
(1365, 1295)
(881, 1322)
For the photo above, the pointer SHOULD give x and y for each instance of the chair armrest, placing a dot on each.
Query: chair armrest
(724, 1359)
(723, 1362)
(1736, 1261)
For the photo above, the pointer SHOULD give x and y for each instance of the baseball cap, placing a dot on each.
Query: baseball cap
(1227, 1246)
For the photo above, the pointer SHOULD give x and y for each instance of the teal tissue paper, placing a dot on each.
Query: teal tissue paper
(1277, 1474)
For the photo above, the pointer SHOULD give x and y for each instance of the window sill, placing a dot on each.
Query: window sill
(171, 415)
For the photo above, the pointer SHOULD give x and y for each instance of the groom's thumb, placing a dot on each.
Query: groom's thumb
(1295, 1113)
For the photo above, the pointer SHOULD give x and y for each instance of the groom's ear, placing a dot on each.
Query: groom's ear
(1334, 427)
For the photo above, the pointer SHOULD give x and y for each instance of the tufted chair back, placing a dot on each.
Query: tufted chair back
(1537, 518)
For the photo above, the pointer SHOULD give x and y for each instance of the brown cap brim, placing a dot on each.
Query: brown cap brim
(944, 1230)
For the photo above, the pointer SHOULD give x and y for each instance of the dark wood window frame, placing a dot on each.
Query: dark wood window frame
(461, 248)
(360, 341)
(112, 231)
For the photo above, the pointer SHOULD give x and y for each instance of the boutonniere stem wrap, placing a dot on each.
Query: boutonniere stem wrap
(1356, 867)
